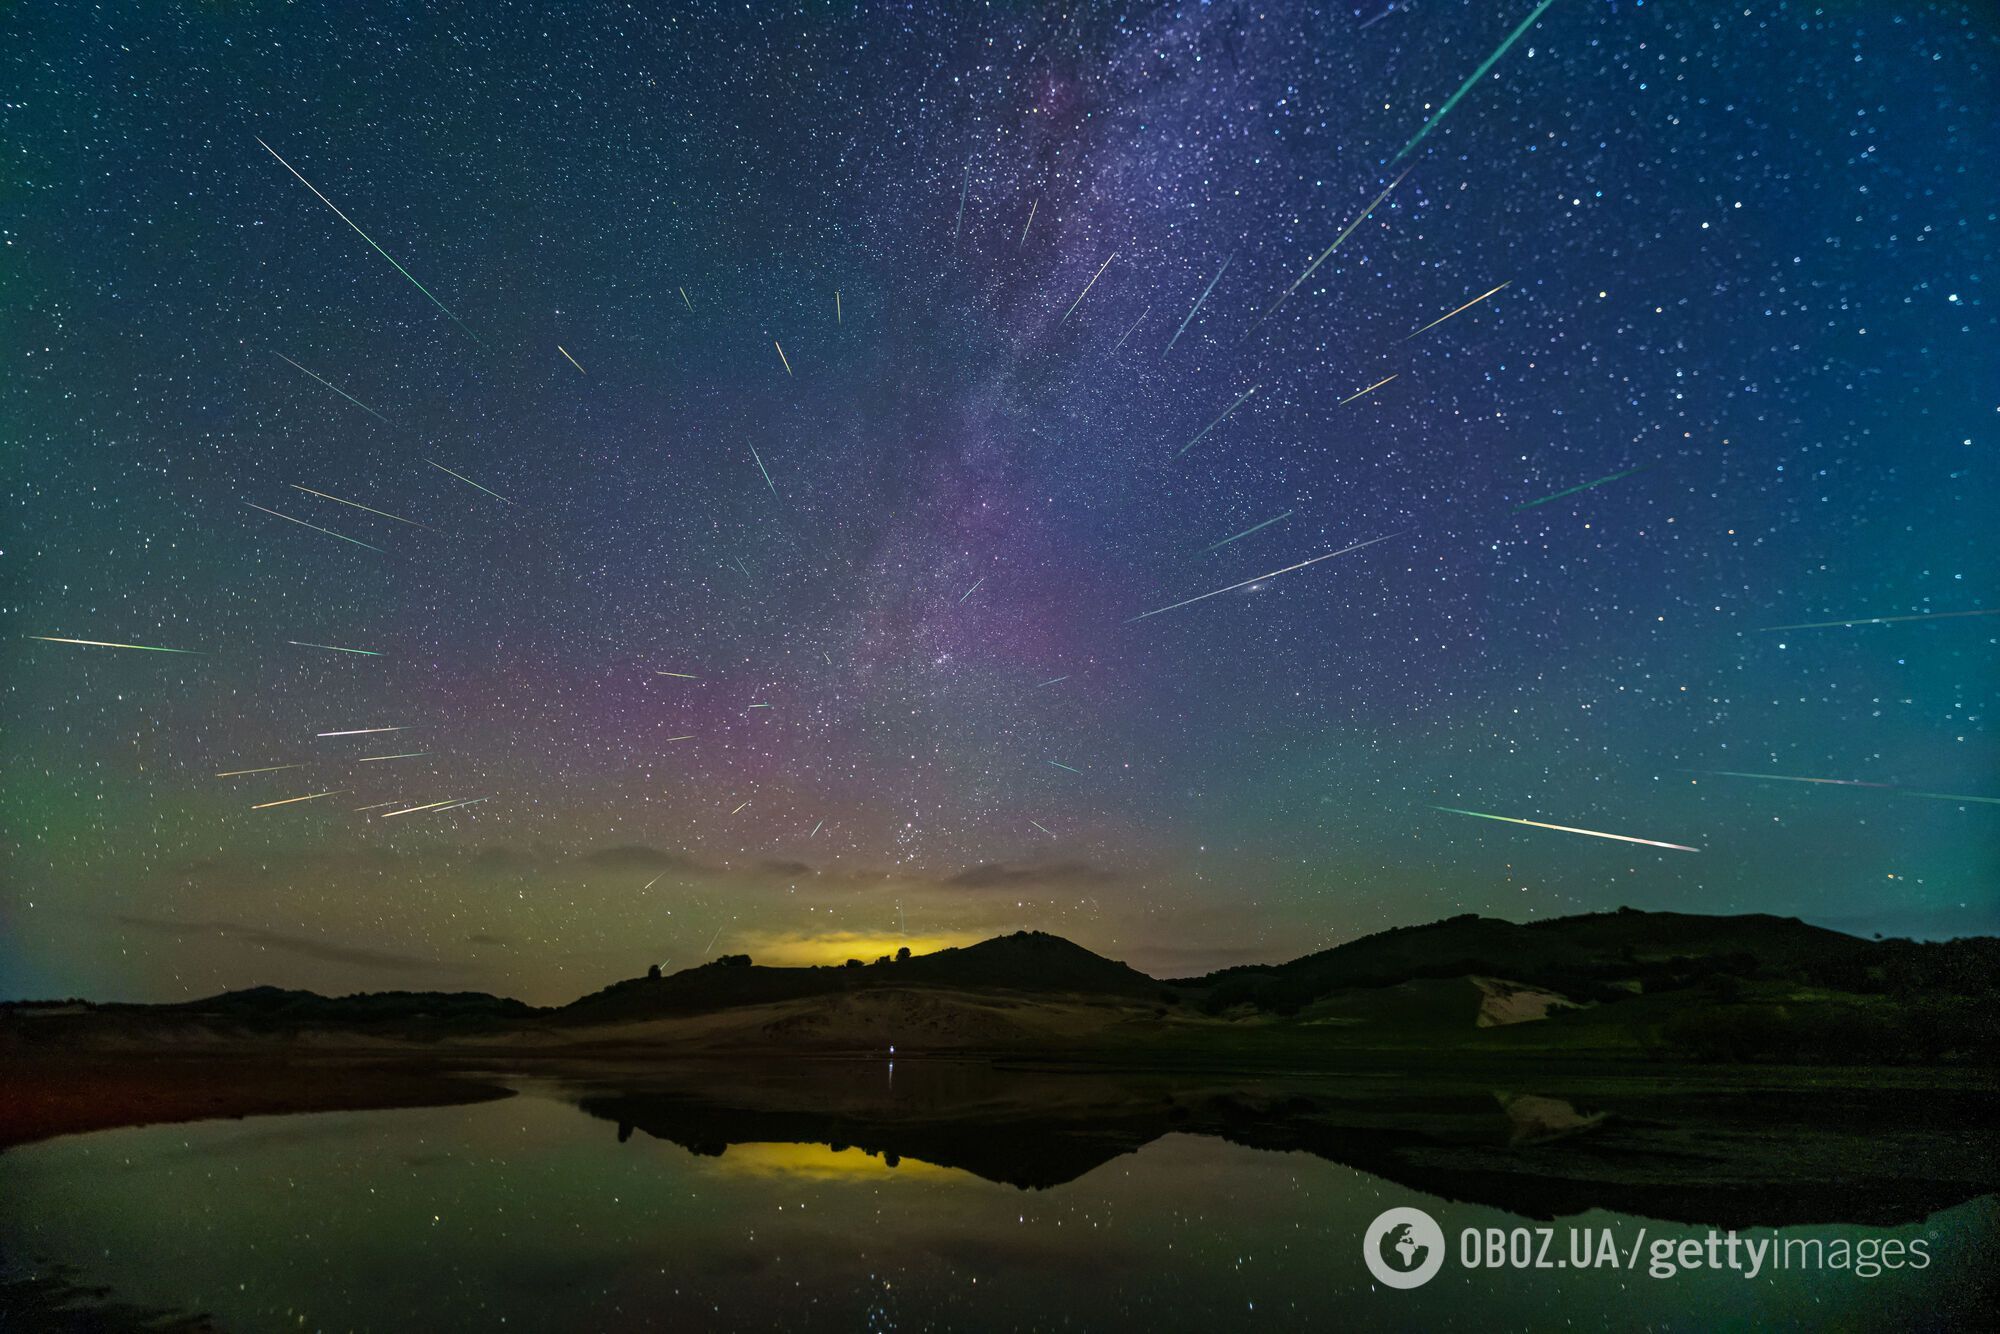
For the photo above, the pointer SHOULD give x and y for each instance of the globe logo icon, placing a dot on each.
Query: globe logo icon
(1403, 1248)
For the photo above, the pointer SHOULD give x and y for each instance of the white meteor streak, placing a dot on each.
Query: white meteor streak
(1086, 289)
(1262, 577)
(1566, 829)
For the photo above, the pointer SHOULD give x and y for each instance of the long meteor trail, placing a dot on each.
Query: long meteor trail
(334, 387)
(369, 239)
(469, 482)
(266, 805)
(1246, 532)
(1197, 305)
(355, 504)
(363, 731)
(1585, 486)
(1567, 829)
(315, 527)
(105, 643)
(1086, 289)
(1477, 75)
(766, 471)
(571, 360)
(1854, 782)
(1880, 620)
(1219, 420)
(1365, 392)
(1467, 306)
(267, 769)
(1129, 332)
(362, 652)
(1262, 577)
(1328, 251)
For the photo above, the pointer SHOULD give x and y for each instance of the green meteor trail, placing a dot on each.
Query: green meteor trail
(315, 527)
(1197, 305)
(1060, 765)
(357, 505)
(105, 643)
(1219, 420)
(1477, 75)
(335, 388)
(1879, 620)
(760, 462)
(369, 239)
(974, 589)
(1245, 583)
(364, 652)
(469, 482)
(1246, 532)
(1570, 491)
(1349, 231)
(1566, 829)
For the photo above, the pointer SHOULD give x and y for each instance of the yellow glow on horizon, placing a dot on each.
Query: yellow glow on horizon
(821, 1162)
(794, 949)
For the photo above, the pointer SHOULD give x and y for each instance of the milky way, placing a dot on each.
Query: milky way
(810, 617)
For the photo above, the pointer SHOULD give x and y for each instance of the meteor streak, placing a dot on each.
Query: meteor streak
(363, 652)
(1052, 680)
(685, 676)
(315, 527)
(781, 355)
(1044, 828)
(1467, 306)
(746, 802)
(1029, 223)
(1879, 620)
(1262, 577)
(377, 759)
(315, 796)
(1128, 333)
(571, 360)
(1477, 75)
(1060, 765)
(105, 643)
(1218, 421)
(268, 769)
(760, 460)
(1854, 782)
(1566, 829)
(469, 482)
(1364, 393)
(974, 589)
(1246, 532)
(1328, 251)
(964, 186)
(684, 299)
(1086, 289)
(1197, 305)
(412, 810)
(357, 505)
(363, 731)
(688, 737)
(335, 388)
(836, 307)
(816, 829)
(1583, 487)
(369, 239)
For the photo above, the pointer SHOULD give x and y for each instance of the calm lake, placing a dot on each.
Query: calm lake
(578, 1207)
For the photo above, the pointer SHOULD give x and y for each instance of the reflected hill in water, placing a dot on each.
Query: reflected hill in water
(1662, 1145)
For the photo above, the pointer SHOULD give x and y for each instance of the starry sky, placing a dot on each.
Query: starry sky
(775, 424)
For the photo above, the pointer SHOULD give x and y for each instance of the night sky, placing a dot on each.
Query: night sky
(931, 268)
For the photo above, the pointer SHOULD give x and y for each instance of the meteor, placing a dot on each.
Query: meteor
(269, 769)
(1086, 289)
(1467, 306)
(1584, 487)
(315, 796)
(1879, 620)
(363, 652)
(1218, 421)
(964, 186)
(781, 355)
(363, 731)
(105, 643)
(315, 527)
(377, 759)
(1029, 223)
(356, 505)
(1854, 782)
(816, 829)
(1044, 828)
(1566, 829)
(684, 299)
(336, 389)
(974, 589)
(469, 482)
(836, 307)
(1128, 333)
(412, 810)
(454, 805)
(369, 239)
(1246, 532)
(1364, 393)
(654, 881)
(376, 807)
(1328, 251)
(760, 462)
(746, 802)
(1262, 577)
(1197, 305)
(685, 676)
(1051, 681)
(1060, 765)
(1477, 75)
(571, 360)
(688, 737)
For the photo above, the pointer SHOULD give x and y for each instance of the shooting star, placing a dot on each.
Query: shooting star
(1029, 223)
(654, 881)
(454, 805)
(746, 802)
(315, 527)
(364, 731)
(837, 319)
(1566, 829)
(1365, 392)
(1060, 765)
(685, 676)
(361, 652)
(1262, 577)
(1051, 681)
(964, 186)
(688, 737)
(1477, 75)
(268, 769)
(1044, 828)
(1128, 333)
(1570, 491)
(1879, 620)
(766, 471)
(1852, 782)
(335, 388)
(1197, 305)
(1246, 532)
(974, 589)
(1467, 306)
(571, 360)
(684, 299)
(376, 807)
(1349, 231)
(781, 355)
(315, 796)
(357, 505)
(105, 643)
(377, 759)
(1086, 289)
(412, 810)
(369, 239)
(816, 829)
(1240, 398)
(469, 482)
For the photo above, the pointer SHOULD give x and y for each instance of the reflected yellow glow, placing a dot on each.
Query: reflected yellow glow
(794, 949)
(821, 1162)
